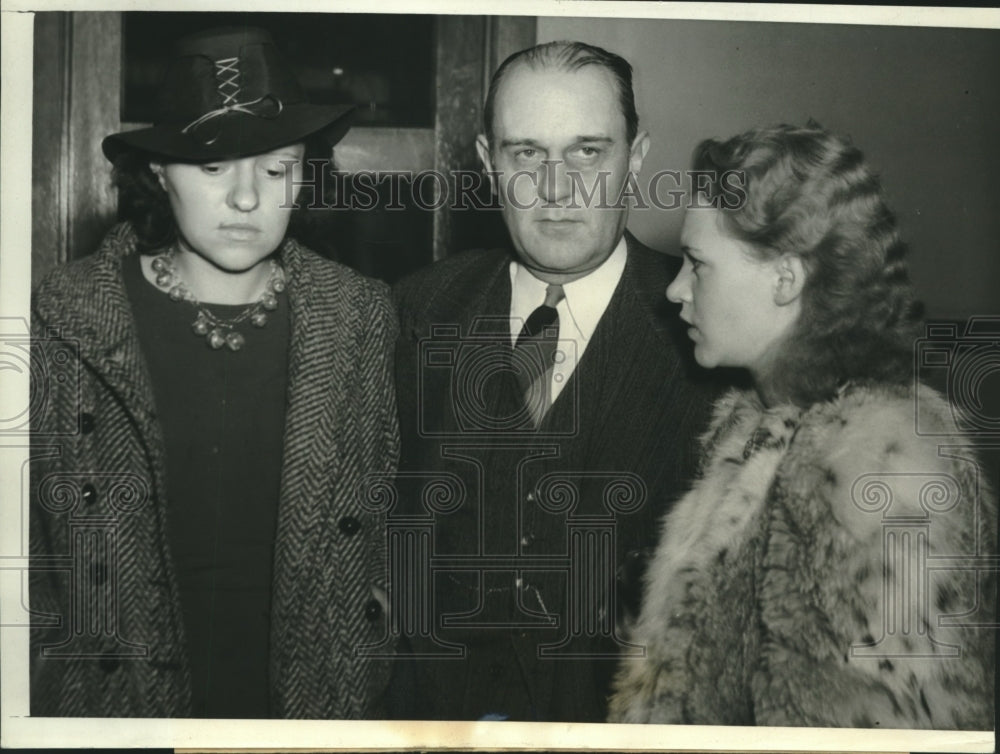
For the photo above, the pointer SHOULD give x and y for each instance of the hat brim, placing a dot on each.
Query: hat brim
(235, 134)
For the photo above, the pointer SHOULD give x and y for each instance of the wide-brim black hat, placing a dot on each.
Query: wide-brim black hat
(228, 93)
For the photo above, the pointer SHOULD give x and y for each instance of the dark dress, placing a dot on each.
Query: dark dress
(222, 414)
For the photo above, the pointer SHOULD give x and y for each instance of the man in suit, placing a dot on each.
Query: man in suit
(548, 414)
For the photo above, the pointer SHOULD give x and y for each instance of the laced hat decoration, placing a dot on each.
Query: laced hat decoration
(228, 93)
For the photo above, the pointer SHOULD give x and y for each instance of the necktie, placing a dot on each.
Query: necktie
(534, 354)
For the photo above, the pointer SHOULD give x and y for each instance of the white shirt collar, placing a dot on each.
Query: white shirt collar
(585, 302)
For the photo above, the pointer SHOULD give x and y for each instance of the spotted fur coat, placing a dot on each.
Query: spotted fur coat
(827, 569)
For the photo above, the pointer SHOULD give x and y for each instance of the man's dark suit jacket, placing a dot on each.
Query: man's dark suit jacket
(535, 538)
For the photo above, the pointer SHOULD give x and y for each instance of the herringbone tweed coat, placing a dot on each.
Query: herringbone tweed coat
(828, 569)
(102, 577)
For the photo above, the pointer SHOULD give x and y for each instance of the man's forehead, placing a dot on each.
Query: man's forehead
(551, 77)
(585, 96)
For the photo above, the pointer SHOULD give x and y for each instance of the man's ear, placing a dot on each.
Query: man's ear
(640, 145)
(483, 150)
(157, 169)
(791, 278)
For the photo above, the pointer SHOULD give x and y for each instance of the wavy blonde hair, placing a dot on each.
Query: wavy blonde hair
(809, 192)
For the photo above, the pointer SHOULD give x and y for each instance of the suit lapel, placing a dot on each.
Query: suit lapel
(476, 298)
(621, 341)
(466, 318)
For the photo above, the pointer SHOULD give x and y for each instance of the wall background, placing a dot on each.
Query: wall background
(923, 104)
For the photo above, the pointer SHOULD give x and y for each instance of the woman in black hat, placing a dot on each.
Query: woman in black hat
(199, 543)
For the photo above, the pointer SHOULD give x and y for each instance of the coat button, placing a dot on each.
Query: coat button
(109, 664)
(116, 355)
(349, 525)
(373, 610)
(89, 494)
(87, 422)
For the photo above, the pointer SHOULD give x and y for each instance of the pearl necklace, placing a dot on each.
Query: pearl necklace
(219, 332)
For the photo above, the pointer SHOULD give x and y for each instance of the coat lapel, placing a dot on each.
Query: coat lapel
(477, 299)
(319, 360)
(94, 314)
(99, 318)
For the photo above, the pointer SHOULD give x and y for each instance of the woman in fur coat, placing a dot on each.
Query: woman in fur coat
(830, 566)
(218, 396)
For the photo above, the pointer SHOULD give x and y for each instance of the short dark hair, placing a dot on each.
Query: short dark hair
(568, 56)
(144, 203)
(810, 193)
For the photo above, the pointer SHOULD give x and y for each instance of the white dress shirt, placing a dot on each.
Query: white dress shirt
(579, 312)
